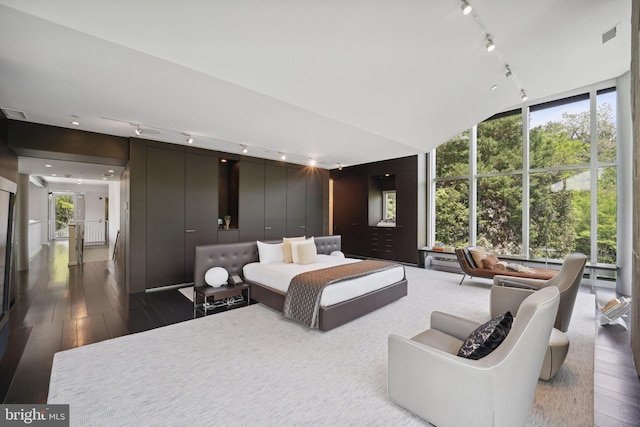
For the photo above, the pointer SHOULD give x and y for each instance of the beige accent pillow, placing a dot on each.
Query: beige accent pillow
(490, 261)
(500, 266)
(304, 252)
(286, 248)
(478, 255)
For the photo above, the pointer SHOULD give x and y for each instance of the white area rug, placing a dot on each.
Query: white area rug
(251, 366)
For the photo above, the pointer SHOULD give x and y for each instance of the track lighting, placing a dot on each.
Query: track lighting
(523, 95)
(245, 150)
(312, 162)
(508, 73)
(283, 156)
(490, 46)
(138, 131)
(189, 138)
(466, 8)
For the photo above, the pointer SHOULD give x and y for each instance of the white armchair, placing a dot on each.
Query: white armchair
(426, 376)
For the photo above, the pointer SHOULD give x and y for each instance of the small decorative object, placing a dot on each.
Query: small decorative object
(227, 221)
(216, 277)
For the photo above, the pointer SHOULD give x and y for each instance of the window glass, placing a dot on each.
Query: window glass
(500, 144)
(607, 142)
(560, 214)
(607, 214)
(389, 208)
(452, 157)
(560, 134)
(500, 214)
(452, 212)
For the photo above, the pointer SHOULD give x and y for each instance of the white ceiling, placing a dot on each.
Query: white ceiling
(346, 82)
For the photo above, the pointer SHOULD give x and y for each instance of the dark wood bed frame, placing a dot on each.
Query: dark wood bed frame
(234, 256)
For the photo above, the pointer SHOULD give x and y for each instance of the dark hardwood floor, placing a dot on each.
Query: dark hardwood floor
(60, 307)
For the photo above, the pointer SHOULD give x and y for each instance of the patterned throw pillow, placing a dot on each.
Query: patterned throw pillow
(487, 337)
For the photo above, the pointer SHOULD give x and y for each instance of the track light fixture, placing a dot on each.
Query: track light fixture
(245, 150)
(138, 131)
(490, 46)
(312, 162)
(508, 73)
(190, 140)
(283, 156)
(466, 8)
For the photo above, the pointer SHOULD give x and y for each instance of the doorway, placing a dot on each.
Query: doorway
(62, 211)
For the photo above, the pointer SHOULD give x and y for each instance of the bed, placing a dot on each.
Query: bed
(341, 302)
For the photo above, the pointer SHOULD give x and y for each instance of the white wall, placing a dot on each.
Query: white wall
(625, 185)
(114, 215)
(38, 218)
(94, 205)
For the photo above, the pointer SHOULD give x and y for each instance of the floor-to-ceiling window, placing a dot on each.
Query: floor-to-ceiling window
(539, 181)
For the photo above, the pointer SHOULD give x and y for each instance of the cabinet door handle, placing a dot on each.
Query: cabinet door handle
(190, 231)
(267, 228)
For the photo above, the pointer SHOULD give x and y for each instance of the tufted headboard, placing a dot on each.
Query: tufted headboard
(234, 256)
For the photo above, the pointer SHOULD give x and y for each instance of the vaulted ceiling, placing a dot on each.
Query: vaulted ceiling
(344, 82)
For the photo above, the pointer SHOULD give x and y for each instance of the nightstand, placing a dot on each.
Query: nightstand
(227, 295)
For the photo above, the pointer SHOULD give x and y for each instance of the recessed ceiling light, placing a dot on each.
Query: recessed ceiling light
(223, 160)
(48, 166)
(312, 162)
(75, 123)
(494, 87)
(283, 156)
(111, 171)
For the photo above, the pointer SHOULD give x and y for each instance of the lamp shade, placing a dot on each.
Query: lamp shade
(216, 277)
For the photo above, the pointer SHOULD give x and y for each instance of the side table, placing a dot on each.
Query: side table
(226, 295)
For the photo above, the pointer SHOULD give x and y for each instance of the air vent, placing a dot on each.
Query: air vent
(609, 35)
(14, 114)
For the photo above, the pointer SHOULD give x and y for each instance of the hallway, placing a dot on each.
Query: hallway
(60, 307)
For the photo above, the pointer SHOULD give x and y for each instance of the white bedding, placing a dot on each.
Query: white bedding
(278, 275)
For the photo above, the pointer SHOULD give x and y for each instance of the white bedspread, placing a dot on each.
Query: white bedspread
(278, 275)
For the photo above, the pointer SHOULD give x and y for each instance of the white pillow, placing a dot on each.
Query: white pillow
(339, 254)
(216, 277)
(304, 252)
(270, 252)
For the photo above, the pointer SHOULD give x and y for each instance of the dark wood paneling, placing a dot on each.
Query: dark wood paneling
(315, 181)
(350, 212)
(8, 159)
(228, 236)
(406, 232)
(201, 206)
(136, 236)
(296, 202)
(357, 205)
(165, 216)
(51, 142)
(251, 201)
(275, 202)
